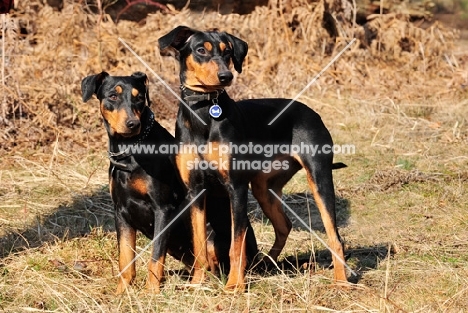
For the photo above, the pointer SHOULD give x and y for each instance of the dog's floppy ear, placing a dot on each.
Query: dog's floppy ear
(239, 51)
(144, 78)
(176, 38)
(90, 85)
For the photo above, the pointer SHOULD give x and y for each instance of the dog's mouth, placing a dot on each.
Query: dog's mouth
(224, 84)
(126, 132)
(213, 87)
(130, 134)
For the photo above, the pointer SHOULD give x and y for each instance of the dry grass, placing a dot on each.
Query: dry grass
(401, 202)
(44, 68)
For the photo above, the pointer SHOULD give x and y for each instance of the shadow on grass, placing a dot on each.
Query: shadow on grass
(67, 221)
(360, 259)
(86, 212)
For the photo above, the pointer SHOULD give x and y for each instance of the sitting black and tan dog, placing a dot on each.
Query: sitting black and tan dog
(145, 188)
(210, 117)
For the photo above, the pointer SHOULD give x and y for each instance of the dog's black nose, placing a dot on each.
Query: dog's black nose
(225, 77)
(132, 124)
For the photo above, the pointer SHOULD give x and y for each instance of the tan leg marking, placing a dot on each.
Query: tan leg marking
(155, 274)
(334, 242)
(212, 256)
(127, 246)
(330, 229)
(237, 255)
(273, 208)
(201, 265)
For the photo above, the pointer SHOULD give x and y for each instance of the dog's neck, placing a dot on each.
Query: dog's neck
(194, 120)
(192, 96)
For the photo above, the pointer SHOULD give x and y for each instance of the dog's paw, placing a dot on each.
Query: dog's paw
(121, 287)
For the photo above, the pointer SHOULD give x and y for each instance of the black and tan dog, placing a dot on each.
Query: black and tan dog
(211, 117)
(146, 190)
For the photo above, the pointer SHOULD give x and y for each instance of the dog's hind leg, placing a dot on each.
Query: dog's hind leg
(320, 179)
(273, 209)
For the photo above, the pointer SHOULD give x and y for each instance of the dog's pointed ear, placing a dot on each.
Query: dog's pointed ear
(176, 38)
(144, 78)
(239, 51)
(90, 85)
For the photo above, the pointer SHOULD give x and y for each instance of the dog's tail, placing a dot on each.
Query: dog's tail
(338, 165)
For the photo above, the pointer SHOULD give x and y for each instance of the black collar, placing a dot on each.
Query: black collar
(115, 157)
(192, 97)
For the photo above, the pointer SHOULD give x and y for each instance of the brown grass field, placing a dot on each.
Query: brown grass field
(402, 204)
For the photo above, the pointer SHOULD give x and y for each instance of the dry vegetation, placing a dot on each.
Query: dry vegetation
(398, 95)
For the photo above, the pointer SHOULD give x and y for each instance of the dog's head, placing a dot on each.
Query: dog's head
(122, 100)
(205, 57)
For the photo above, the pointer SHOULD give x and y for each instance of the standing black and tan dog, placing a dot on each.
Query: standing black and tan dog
(212, 118)
(145, 187)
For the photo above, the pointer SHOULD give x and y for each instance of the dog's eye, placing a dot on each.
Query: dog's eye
(201, 51)
(227, 52)
(113, 97)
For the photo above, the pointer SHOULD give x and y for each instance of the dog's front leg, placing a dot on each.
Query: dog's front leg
(237, 252)
(126, 238)
(158, 255)
(193, 179)
(198, 218)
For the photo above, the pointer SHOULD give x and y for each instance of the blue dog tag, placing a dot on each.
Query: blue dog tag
(215, 111)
